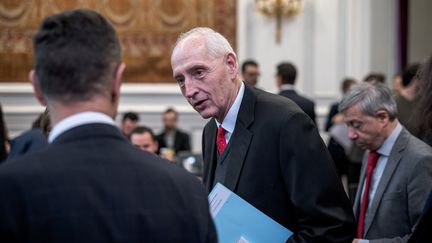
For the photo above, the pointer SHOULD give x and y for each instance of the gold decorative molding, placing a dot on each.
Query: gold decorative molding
(147, 30)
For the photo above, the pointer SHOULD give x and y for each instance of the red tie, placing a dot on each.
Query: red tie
(371, 163)
(220, 140)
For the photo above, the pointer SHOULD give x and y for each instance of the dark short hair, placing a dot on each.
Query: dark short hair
(142, 130)
(248, 62)
(287, 72)
(170, 109)
(76, 55)
(346, 84)
(375, 77)
(409, 73)
(133, 116)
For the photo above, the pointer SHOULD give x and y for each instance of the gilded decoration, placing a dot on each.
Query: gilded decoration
(147, 31)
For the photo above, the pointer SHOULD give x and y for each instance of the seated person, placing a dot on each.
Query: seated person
(143, 138)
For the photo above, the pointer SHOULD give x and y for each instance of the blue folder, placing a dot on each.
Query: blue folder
(238, 221)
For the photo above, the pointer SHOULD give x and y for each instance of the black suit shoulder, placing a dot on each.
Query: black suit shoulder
(307, 105)
(92, 175)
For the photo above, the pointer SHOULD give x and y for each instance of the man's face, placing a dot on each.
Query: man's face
(251, 74)
(170, 120)
(207, 83)
(144, 142)
(128, 125)
(366, 131)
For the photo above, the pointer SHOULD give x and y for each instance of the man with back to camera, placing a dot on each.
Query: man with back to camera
(269, 152)
(91, 184)
(285, 79)
(396, 176)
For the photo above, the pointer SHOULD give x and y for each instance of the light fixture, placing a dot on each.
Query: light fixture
(279, 8)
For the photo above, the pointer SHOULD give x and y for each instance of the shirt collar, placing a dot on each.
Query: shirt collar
(287, 87)
(229, 121)
(78, 119)
(387, 146)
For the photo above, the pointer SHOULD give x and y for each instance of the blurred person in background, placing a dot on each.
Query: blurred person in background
(250, 72)
(129, 122)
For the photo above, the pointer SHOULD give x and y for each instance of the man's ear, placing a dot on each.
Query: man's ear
(37, 91)
(382, 116)
(231, 62)
(116, 83)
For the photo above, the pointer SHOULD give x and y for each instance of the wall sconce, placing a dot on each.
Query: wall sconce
(279, 8)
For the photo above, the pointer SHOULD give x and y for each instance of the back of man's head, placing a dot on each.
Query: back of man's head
(287, 72)
(346, 84)
(76, 54)
(409, 74)
(375, 77)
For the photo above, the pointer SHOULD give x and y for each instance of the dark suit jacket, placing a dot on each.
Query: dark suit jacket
(423, 232)
(307, 105)
(91, 185)
(402, 190)
(334, 109)
(30, 141)
(278, 163)
(181, 141)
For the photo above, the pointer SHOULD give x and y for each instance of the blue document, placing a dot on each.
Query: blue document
(238, 221)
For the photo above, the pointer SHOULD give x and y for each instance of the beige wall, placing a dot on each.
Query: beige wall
(420, 30)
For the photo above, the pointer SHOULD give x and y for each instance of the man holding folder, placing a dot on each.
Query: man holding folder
(259, 145)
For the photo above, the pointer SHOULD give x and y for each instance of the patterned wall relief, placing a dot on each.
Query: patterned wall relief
(147, 31)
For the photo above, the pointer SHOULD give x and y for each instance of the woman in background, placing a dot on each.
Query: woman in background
(423, 232)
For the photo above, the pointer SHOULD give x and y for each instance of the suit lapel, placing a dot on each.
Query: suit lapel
(391, 166)
(210, 150)
(240, 139)
(236, 156)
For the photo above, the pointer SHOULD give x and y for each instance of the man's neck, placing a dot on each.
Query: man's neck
(233, 97)
(59, 111)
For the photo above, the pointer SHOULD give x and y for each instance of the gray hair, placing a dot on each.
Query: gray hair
(216, 43)
(371, 97)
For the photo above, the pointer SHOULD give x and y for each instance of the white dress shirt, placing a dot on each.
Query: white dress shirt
(78, 119)
(230, 120)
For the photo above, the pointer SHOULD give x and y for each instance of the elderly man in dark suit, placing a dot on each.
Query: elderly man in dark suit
(260, 145)
(91, 184)
(396, 176)
(285, 78)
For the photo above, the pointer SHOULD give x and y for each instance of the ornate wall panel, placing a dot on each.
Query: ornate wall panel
(147, 30)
